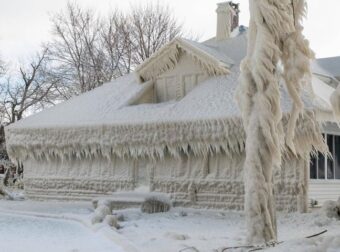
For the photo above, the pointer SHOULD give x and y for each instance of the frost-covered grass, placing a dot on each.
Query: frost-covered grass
(180, 228)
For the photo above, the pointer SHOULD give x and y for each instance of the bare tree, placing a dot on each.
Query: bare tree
(32, 89)
(116, 46)
(76, 49)
(2, 67)
(87, 51)
(151, 26)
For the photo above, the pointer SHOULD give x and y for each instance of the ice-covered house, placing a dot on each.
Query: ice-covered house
(172, 126)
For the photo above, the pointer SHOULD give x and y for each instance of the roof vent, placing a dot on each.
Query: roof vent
(227, 19)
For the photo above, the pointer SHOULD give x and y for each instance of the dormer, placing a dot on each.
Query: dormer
(179, 67)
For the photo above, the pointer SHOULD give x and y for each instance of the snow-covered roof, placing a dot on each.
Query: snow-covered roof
(105, 120)
(235, 48)
(318, 69)
(328, 66)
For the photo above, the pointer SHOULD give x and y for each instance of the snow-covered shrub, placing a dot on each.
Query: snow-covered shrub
(331, 209)
(112, 221)
(313, 202)
(106, 202)
(95, 203)
(154, 204)
(100, 213)
(181, 214)
(120, 217)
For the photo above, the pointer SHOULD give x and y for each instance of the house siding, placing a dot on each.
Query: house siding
(323, 190)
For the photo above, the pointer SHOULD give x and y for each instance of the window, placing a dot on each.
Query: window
(336, 157)
(322, 167)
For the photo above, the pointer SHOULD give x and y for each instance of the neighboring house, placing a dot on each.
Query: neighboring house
(325, 170)
(172, 126)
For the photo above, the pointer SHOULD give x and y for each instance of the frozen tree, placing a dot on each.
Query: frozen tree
(274, 37)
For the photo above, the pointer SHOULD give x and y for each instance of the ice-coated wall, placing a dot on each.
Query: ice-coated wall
(77, 179)
(179, 81)
(216, 181)
(212, 181)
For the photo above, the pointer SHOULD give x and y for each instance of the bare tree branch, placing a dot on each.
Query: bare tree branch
(87, 51)
(32, 88)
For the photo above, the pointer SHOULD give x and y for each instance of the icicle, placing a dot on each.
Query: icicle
(296, 56)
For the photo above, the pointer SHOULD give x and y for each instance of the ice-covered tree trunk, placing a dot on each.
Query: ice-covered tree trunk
(274, 36)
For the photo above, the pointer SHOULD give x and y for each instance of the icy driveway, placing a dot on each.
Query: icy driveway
(33, 234)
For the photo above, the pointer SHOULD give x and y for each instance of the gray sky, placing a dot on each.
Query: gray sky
(24, 24)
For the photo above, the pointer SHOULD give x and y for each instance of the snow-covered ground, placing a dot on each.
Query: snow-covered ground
(34, 234)
(178, 230)
(27, 226)
(214, 230)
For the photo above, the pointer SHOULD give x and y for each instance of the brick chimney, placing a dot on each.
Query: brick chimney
(227, 19)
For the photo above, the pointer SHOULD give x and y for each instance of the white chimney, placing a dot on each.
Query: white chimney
(227, 19)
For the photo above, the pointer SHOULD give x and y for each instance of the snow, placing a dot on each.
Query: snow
(110, 103)
(322, 92)
(37, 234)
(42, 225)
(213, 99)
(106, 118)
(235, 48)
(209, 230)
(205, 230)
(213, 51)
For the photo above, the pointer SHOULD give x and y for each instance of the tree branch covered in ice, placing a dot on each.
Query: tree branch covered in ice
(275, 36)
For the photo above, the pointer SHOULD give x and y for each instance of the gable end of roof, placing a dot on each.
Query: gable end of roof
(167, 58)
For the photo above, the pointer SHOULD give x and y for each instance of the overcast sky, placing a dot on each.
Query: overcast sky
(24, 24)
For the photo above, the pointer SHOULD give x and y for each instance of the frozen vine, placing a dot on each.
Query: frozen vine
(274, 36)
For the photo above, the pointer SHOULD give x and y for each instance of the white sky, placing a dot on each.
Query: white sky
(24, 24)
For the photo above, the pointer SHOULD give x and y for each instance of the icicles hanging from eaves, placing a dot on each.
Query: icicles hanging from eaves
(199, 138)
(168, 56)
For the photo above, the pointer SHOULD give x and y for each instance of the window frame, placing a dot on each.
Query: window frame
(326, 179)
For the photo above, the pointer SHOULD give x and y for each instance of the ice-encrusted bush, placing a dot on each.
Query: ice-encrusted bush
(112, 221)
(155, 204)
(120, 217)
(331, 209)
(100, 213)
(95, 203)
